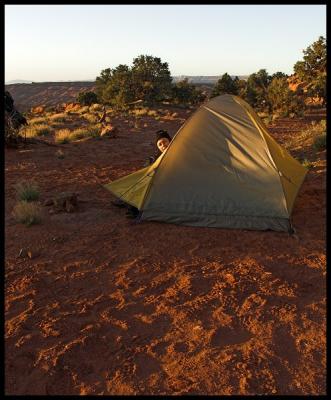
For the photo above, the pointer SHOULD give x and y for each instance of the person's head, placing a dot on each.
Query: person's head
(162, 140)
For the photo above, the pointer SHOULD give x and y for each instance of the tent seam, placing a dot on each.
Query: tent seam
(268, 151)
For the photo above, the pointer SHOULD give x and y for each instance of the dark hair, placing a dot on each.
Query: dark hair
(162, 134)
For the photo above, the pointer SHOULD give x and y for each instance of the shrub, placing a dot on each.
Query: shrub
(63, 136)
(315, 132)
(36, 130)
(27, 213)
(185, 93)
(80, 133)
(281, 99)
(267, 120)
(148, 79)
(320, 142)
(225, 85)
(255, 90)
(87, 98)
(27, 191)
(312, 69)
(307, 164)
(316, 129)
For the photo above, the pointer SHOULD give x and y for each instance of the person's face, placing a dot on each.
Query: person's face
(162, 144)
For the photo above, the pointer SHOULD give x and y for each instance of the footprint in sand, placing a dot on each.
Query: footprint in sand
(225, 336)
(181, 347)
(284, 344)
(146, 365)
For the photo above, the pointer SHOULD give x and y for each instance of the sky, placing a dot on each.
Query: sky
(76, 42)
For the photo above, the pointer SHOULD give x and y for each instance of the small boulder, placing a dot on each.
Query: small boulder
(66, 201)
(109, 131)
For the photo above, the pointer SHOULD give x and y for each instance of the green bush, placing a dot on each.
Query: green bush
(87, 98)
(185, 93)
(226, 85)
(312, 69)
(148, 80)
(27, 191)
(320, 142)
(282, 100)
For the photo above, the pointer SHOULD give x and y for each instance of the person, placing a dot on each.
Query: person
(162, 142)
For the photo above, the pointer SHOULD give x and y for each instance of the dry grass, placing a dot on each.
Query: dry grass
(140, 112)
(62, 117)
(96, 107)
(267, 120)
(67, 136)
(152, 113)
(83, 110)
(36, 130)
(27, 213)
(91, 118)
(63, 136)
(80, 133)
(27, 191)
(307, 164)
(38, 120)
(316, 132)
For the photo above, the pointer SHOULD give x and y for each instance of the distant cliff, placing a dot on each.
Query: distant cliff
(27, 95)
(206, 80)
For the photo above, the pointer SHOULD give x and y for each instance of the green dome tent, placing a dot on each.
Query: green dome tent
(222, 169)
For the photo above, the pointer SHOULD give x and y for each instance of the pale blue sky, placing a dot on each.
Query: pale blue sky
(75, 42)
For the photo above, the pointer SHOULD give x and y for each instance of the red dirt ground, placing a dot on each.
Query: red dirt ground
(110, 306)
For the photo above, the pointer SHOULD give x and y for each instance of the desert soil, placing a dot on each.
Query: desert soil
(106, 305)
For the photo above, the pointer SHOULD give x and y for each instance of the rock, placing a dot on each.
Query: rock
(66, 201)
(37, 110)
(109, 131)
(69, 206)
(22, 253)
(48, 202)
(32, 254)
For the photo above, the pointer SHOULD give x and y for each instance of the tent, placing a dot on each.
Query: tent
(222, 169)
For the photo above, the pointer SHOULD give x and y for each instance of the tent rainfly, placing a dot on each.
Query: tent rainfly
(222, 169)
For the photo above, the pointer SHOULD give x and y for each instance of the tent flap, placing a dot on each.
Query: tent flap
(219, 221)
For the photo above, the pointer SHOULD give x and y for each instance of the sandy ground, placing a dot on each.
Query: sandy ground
(109, 306)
